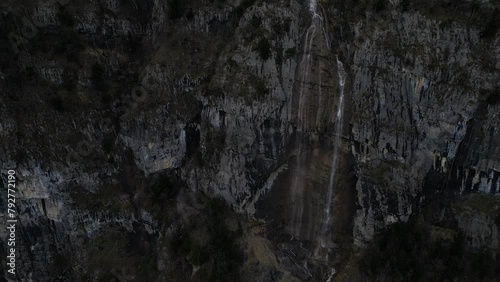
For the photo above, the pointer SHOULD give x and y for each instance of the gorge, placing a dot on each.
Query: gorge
(251, 140)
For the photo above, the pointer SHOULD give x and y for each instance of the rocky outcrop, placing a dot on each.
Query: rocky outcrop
(414, 108)
(127, 116)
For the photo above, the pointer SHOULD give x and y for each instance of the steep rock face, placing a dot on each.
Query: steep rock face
(209, 96)
(418, 90)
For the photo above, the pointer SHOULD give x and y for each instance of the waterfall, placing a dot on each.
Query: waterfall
(338, 133)
(312, 6)
(315, 227)
(297, 186)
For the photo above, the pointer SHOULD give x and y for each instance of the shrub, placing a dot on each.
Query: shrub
(66, 42)
(198, 254)
(492, 26)
(180, 243)
(279, 57)
(408, 252)
(289, 53)
(256, 22)
(69, 79)
(175, 9)
(280, 28)
(190, 14)
(134, 43)
(107, 143)
(57, 104)
(494, 97)
(147, 265)
(405, 5)
(232, 63)
(260, 88)
(164, 189)
(240, 10)
(98, 77)
(109, 252)
(222, 245)
(61, 267)
(220, 255)
(380, 5)
(61, 261)
(65, 18)
(263, 48)
(247, 3)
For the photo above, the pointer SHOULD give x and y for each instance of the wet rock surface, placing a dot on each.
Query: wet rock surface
(124, 121)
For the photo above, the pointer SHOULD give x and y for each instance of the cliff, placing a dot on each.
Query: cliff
(231, 140)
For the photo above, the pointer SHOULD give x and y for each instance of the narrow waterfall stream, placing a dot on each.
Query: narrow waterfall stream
(296, 196)
(303, 123)
(326, 230)
(309, 120)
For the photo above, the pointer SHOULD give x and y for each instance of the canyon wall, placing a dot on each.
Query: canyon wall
(131, 117)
